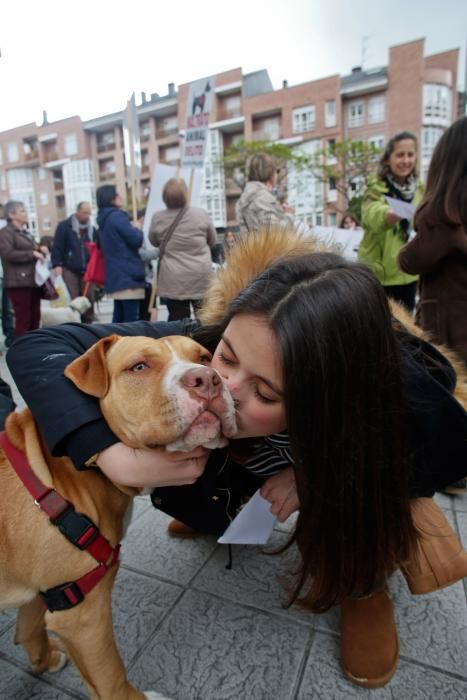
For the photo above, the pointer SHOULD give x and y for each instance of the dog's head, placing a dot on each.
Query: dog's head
(80, 304)
(157, 392)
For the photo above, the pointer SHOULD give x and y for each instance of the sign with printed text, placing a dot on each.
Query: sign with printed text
(199, 104)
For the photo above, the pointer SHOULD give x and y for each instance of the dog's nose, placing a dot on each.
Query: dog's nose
(202, 382)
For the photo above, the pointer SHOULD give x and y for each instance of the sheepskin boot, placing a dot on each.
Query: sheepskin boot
(439, 559)
(178, 529)
(369, 641)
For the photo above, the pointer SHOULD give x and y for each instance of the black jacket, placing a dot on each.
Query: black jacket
(69, 249)
(72, 423)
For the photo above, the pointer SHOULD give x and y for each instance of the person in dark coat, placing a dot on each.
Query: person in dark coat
(438, 253)
(70, 255)
(19, 252)
(120, 242)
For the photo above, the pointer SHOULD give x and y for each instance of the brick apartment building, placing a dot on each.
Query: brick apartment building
(53, 166)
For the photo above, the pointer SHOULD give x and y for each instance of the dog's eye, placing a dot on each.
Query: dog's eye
(205, 359)
(139, 367)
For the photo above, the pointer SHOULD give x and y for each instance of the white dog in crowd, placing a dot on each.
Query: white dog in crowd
(72, 313)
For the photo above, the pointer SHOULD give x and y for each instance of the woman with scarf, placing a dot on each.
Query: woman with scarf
(385, 231)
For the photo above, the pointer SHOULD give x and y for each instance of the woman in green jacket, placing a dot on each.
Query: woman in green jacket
(385, 231)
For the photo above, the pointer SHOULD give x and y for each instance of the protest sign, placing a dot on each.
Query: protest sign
(199, 103)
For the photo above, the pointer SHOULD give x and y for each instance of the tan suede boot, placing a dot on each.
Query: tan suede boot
(369, 642)
(178, 529)
(439, 559)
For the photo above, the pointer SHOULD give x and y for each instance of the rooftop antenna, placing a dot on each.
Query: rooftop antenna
(365, 42)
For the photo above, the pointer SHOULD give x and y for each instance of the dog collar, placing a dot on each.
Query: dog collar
(76, 527)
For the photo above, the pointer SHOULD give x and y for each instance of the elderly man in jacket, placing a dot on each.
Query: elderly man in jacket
(69, 252)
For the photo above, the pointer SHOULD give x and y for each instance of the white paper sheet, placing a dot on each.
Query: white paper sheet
(403, 209)
(253, 525)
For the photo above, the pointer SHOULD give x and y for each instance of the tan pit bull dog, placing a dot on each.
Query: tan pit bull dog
(152, 393)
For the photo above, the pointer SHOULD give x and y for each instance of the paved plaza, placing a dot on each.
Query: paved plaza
(195, 630)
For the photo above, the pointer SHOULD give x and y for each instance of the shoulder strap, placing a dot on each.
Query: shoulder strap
(170, 231)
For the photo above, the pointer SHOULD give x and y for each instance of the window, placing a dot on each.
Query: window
(430, 137)
(376, 109)
(303, 119)
(437, 104)
(172, 153)
(330, 113)
(12, 152)
(2, 182)
(1, 157)
(145, 130)
(332, 183)
(332, 219)
(43, 198)
(42, 173)
(376, 141)
(46, 225)
(71, 144)
(356, 113)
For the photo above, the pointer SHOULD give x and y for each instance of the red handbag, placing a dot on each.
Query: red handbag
(95, 269)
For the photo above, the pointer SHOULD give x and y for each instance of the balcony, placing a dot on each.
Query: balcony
(105, 147)
(58, 185)
(267, 134)
(50, 156)
(222, 113)
(106, 175)
(163, 132)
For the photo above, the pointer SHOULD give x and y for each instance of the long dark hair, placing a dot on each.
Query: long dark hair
(446, 187)
(105, 196)
(346, 417)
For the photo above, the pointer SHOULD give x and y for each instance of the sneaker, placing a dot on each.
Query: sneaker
(178, 529)
(456, 488)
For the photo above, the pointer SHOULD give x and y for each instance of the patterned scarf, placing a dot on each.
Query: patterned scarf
(405, 192)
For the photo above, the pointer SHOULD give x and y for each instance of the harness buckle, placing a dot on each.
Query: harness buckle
(62, 597)
(76, 527)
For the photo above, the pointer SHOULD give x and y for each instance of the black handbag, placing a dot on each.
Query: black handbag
(48, 290)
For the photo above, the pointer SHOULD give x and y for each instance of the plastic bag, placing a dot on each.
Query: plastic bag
(41, 272)
(64, 297)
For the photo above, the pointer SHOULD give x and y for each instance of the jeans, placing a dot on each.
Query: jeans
(180, 308)
(125, 310)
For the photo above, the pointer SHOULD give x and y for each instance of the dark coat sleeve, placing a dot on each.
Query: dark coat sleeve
(58, 247)
(70, 421)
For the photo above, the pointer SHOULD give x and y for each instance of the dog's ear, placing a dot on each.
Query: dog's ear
(89, 372)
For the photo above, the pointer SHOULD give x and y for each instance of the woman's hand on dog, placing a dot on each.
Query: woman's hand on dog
(145, 468)
(281, 492)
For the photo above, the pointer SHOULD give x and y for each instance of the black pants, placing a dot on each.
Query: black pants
(181, 308)
(403, 293)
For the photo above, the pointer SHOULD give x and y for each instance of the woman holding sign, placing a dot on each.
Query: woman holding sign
(389, 204)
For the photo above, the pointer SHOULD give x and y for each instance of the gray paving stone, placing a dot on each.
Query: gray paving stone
(459, 503)
(7, 617)
(18, 685)
(259, 580)
(209, 649)
(323, 679)
(432, 628)
(139, 605)
(148, 548)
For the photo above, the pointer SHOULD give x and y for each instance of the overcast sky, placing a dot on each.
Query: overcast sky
(87, 57)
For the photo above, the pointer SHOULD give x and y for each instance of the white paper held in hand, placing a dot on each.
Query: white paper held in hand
(403, 209)
(253, 525)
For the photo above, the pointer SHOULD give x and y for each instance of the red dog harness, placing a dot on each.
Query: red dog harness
(76, 527)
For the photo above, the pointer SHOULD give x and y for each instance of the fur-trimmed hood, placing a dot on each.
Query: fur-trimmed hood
(247, 259)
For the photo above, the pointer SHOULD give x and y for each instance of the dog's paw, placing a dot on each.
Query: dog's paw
(154, 695)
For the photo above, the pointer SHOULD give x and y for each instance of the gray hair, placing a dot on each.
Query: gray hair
(11, 207)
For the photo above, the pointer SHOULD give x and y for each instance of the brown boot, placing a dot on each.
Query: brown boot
(440, 559)
(178, 529)
(369, 642)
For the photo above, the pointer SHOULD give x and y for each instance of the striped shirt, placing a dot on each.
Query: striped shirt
(270, 455)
